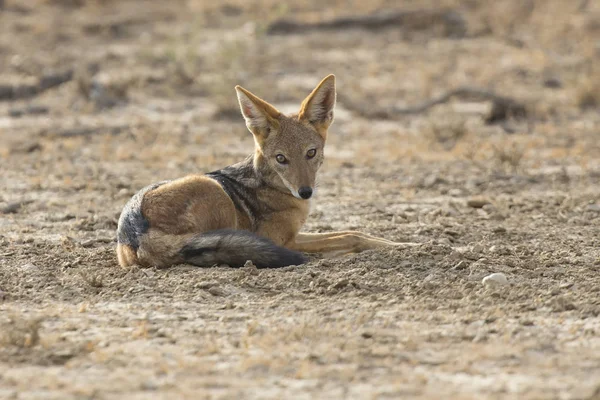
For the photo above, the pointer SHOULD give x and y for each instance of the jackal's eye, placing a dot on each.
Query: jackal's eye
(311, 153)
(281, 159)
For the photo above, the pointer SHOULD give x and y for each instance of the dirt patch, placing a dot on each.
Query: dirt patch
(147, 96)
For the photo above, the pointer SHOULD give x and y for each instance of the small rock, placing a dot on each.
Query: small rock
(339, 284)
(28, 147)
(489, 208)
(28, 267)
(552, 83)
(480, 337)
(205, 285)
(148, 385)
(217, 291)
(249, 268)
(443, 242)
(477, 202)
(452, 232)
(11, 208)
(499, 230)
(230, 305)
(478, 248)
(495, 279)
(431, 180)
(455, 192)
(594, 207)
(31, 109)
(148, 273)
(231, 10)
(562, 303)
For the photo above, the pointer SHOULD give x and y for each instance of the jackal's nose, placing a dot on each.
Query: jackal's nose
(305, 192)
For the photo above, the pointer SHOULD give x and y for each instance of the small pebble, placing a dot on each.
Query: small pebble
(431, 180)
(148, 385)
(499, 230)
(341, 283)
(495, 279)
(28, 267)
(205, 285)
(594, 207)
(455, 192)
(11, 208)
(552, 83)
(217, 291)
(478, 248)
(477, 202)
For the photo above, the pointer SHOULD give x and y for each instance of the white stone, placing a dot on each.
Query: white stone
(495, 279)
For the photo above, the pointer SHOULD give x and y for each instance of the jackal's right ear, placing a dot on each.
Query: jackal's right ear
(260, 116)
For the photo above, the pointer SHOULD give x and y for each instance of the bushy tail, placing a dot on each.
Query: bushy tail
(234, 248)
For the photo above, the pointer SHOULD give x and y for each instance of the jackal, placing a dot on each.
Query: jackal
(252, 210)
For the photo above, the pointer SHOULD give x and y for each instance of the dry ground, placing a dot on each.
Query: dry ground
(151, 97)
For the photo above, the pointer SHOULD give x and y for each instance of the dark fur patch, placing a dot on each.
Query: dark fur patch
(132, 223)
(235, 247)
(240, 182)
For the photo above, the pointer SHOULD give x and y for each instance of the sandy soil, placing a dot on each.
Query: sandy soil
(151, 97)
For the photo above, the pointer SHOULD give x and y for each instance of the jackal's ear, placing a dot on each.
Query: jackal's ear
(317, 108)
(260, 116)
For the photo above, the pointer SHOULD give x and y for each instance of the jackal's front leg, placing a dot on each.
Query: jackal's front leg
(341, 242)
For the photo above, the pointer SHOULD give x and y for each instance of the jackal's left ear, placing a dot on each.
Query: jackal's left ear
(317, 108)
(260, 116)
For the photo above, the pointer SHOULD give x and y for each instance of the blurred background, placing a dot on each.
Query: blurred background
(131, 69)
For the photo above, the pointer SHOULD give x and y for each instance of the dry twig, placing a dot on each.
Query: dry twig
(451, 22)
(502, 107)
(24, 91)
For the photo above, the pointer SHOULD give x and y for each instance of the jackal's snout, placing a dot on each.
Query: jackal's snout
(305, 192)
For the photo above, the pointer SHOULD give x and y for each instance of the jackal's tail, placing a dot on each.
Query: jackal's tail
(234, 248)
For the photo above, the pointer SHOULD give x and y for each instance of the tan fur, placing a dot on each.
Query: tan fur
(126, 255)
(158, 249)
(191, 204)
(196, 204)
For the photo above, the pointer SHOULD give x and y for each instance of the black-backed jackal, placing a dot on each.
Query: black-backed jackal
(252, 210)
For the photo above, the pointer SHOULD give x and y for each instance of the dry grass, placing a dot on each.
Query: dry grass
(447, 134)
(508, 155)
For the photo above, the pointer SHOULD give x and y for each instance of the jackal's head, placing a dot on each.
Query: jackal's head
(291, 146)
